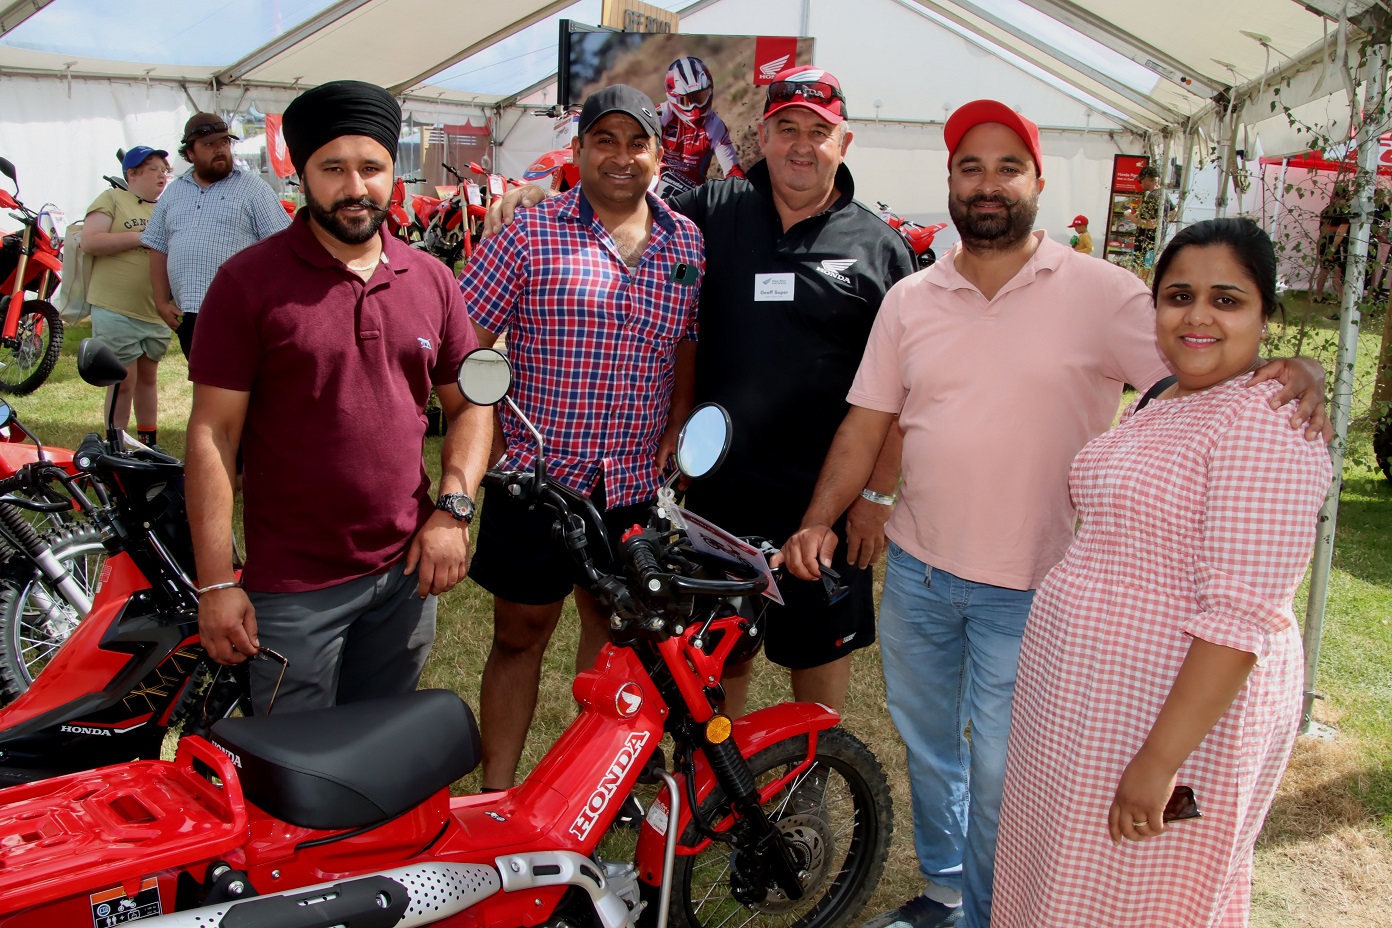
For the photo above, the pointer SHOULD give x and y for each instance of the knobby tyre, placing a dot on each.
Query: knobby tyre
(34, 619)
(839, 825)
(26, 365)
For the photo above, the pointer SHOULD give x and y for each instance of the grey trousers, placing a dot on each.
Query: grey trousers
(358, 640)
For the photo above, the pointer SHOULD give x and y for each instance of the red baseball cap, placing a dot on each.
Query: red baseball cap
(970, 115)
(820, 95)
(1079, 220)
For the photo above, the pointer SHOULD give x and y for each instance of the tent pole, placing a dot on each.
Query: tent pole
(1187, 175)
(1279, 199)
(1369, 132)
(1160, 233)
(1225, 159)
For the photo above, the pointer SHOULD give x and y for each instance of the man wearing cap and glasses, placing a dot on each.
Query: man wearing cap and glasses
(317, 352)
(999, 363)
(796, 270)
(208, 214)
(123, 301)
(597, 292)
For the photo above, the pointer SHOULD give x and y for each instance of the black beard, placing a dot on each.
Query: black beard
(214, 171)
(993, 233)
(349, 234)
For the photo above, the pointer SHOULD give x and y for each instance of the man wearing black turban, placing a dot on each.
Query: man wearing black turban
(318, 350)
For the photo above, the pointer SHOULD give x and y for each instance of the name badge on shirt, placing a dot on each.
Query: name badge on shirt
(773, 288)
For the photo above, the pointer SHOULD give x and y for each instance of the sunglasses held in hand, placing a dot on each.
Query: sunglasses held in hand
(1182, 805)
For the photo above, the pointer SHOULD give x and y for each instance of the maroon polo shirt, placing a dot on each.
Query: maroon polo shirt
(338, 371)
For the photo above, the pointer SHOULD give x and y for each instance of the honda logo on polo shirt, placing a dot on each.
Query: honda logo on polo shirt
(832, 267)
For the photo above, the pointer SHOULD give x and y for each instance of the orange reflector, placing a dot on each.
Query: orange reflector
(718, 729)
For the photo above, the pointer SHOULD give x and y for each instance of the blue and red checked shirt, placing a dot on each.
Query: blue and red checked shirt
(592, 341)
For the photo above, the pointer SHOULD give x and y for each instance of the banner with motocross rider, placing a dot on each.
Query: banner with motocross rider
(709, 90)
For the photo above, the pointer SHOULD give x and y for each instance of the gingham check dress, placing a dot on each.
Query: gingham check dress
(1198, 517)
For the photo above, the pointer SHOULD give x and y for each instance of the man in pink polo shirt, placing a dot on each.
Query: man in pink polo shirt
(1001, 361)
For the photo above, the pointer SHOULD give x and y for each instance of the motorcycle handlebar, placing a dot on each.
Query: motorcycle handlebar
(638, 552)
(641, 553)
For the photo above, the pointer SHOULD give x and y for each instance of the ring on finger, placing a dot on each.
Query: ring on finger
(1141, 824)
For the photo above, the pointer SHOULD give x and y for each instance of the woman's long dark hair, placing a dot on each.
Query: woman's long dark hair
(1250, 245)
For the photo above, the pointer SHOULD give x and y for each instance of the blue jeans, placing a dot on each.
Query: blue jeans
(950, 648)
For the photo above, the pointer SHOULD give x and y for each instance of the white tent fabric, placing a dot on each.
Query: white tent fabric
(1069, 64)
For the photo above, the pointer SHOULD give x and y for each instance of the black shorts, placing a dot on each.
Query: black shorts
(517, 558)
(1335, 257)
(807, 631)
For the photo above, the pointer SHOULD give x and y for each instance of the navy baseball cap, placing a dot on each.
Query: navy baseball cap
(137, 155)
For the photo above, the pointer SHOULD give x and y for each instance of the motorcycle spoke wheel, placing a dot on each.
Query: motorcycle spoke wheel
(34, 619)
(837, 818)
(25, 365)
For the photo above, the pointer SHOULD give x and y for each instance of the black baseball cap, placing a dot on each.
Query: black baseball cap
(620, 98)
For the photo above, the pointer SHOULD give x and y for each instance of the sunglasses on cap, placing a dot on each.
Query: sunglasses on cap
(818, 92)
(204, 129)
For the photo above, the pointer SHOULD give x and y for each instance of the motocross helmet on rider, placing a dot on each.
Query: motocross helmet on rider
(690, 90)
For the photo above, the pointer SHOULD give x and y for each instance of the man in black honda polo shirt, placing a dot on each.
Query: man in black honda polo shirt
(795, 272)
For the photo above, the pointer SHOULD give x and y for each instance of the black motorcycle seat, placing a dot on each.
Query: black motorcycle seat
(353, 765)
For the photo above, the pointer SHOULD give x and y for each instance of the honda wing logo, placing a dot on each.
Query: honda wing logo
(833, 267)
(770, 70)
(808, 76)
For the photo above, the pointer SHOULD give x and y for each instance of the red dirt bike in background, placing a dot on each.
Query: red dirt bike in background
(343, 816)
(31, 336)
(919, 237)
(555, 170)
(401, 222)
(449, 232)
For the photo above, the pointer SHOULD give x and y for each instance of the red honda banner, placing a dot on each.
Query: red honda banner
(276, 151)
(1126, 171)
(773, 53)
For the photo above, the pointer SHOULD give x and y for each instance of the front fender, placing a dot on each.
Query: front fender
(753, 733)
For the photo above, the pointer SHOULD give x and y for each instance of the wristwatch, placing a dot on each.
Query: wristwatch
(458, 505)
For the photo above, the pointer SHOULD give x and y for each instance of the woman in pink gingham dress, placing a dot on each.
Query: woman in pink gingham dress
(1163, 649)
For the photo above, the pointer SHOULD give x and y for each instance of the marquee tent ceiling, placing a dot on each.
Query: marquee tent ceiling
(1155, 67)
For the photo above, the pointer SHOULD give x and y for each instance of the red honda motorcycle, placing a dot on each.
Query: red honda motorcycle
(31, 335)
(343, 816)
(919, 237)
(128, 667)
(52, 553)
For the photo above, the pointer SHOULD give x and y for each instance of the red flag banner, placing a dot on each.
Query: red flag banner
(276, 151)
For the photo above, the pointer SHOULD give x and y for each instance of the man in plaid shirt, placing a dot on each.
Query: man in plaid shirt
(597, 292)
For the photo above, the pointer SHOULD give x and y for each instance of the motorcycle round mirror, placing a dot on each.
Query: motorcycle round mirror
(704, 440)
(98, 364)
(485, 376)
(8, 169)
(6, 415)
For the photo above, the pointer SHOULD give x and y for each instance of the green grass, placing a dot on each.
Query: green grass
(1353, 673)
